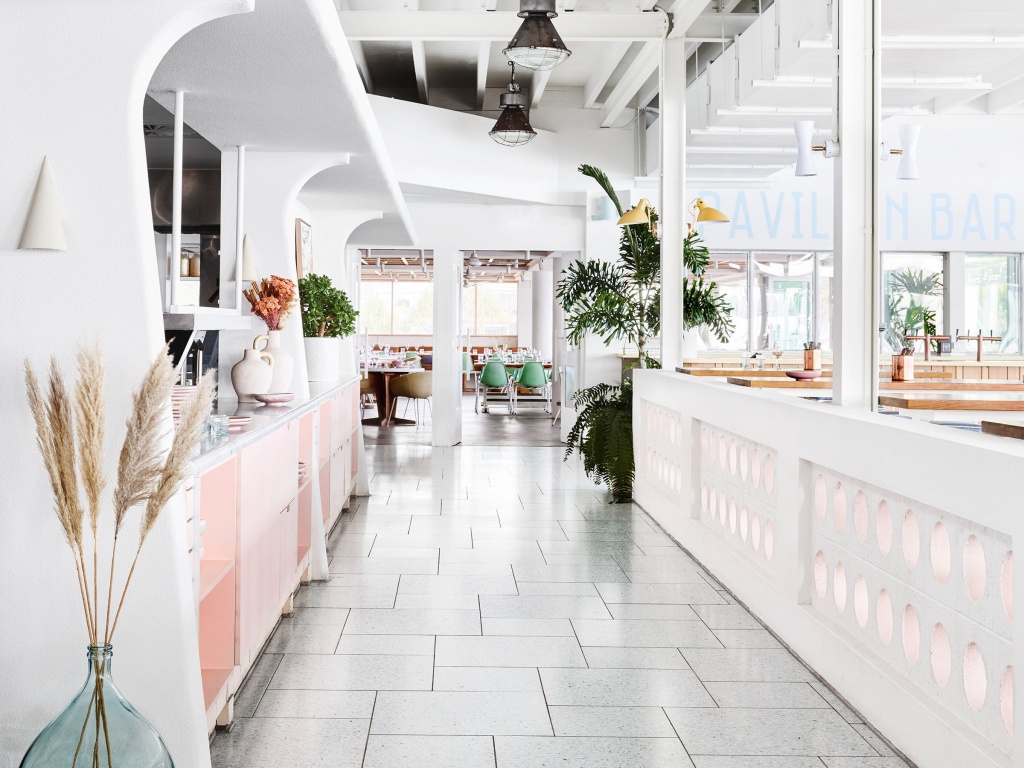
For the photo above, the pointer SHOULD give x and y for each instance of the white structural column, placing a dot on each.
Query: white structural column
(855, 335)
(672, 224)
(544, 308)
(447, 383)
(239, 223)
(954, 278)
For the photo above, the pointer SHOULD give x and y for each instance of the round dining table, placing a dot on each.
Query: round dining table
(381, 378)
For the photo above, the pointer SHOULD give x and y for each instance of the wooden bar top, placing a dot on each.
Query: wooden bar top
(1014, 429)
(935, 385)
(772, 373)
(977, 401)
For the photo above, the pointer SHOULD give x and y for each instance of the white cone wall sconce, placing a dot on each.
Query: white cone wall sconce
(909, 135)
(248, 261)
(805, 148)
(44, 228)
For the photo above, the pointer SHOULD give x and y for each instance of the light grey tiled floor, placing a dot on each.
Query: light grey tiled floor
(488, 608)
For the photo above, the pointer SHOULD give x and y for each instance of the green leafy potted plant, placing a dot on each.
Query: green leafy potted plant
(622, 301)
(327, 317)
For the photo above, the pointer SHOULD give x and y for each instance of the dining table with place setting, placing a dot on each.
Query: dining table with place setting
(381, 367)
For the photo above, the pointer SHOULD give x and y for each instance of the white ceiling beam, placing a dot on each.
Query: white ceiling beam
(1006, 98)
(710, 26)
(385, 26)
(599, 76)
(951, 43)
(483, 62)
(1004, 77)
(643, 66)
(360, 59)
(650, 89)
(419, 63)
(540, 84)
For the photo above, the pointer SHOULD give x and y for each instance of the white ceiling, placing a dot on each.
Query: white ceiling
(939, 56)
(282, 79)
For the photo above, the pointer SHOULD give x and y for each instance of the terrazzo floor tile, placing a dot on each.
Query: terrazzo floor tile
(525, 553)
(767, 732)
(274, 742)
(588, 559)
(345, 597)
(304, 638)
(460, 713)
(863, 762)
(529, 627)
(766, 695)
(678, 594)
(542, 607)
(836, 703)
(384, 565)
(354, 673)
(588, 752)
(557, 588)
(486, 679)
(732, 761)
(620, 722)
(652, 612)
(455, 522)
(746, 665)
(317, 704)
(634, 658)
(475, 569)
(429, 752)
(458, 585)
(413, 621)
(645, 634)
(465, 602)
(579, 573)
(425, 538)
(624, 688)
(389, 645)
(335, 617)
(589, 547)
(426, 553)
(248, 698)
(376, 581)
(494, 651)
(356, 544)
(727, 617)
(747, 638)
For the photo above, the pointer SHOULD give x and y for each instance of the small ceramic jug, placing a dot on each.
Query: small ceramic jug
(252, 374)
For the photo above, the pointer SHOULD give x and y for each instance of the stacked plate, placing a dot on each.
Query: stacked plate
(302, 470)
(180, 395)
(237, 422)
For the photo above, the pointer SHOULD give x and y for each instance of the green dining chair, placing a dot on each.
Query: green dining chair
(532, 376)
(495, 376)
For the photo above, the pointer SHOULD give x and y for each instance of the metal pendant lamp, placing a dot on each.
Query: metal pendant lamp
(513, 127)
(537, 44)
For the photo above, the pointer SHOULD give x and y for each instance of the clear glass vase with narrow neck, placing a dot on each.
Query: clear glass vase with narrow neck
(99, 728)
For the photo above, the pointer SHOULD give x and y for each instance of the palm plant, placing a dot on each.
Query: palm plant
(622, 301)
(907, 314)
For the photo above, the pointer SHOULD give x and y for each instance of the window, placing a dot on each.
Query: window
(912, 295)
(405, 308)
(729, 273)
(993, 300)
(491, 309)
(783, 305)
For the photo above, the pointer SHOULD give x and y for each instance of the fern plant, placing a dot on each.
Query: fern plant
(622, 301)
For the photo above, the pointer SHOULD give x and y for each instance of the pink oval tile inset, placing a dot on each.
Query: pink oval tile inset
(940, 655)
(861, 609)
(940, 553)
(1006, 699)
(839, 507)
(883, 617)
(839, 587)
(1006, 584)
(974, 568)
(911, 635)
(769, 474)
(883, 528)
(860, 516)
(975, 684)
(755, 532)
(820, 574)
(744, 462)
(744, 523)
(820, 498)
(755, 469)
(769, 539)
(911, 540)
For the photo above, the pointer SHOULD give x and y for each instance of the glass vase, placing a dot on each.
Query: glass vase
(98, 729)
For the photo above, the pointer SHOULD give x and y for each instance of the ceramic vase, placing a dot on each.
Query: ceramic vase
(283, 362)
(323, 358)
(253, 374)
(99, 728)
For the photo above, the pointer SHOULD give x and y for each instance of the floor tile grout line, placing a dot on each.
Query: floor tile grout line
(369, 728)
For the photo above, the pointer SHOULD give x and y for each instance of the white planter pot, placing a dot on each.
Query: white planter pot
(692, 344)
(323, 359)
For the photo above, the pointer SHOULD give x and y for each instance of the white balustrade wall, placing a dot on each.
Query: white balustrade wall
(878, 549)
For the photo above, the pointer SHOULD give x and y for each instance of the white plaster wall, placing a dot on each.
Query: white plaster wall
(524, 310)
(72, 85)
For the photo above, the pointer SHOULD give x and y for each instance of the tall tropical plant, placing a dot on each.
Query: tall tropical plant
(622, 301)
(907, 314)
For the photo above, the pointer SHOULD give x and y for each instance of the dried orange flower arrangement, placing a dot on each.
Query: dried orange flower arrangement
(272, 300)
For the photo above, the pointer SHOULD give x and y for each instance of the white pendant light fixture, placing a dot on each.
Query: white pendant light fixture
(248, 261)
(909, 135)
(537, 44)
(805, 148)
(44, 228)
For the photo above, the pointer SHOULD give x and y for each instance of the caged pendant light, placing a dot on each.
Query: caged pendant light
(513, 127)
(537, 44)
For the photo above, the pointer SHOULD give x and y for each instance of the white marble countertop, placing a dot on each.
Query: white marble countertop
(265, 418)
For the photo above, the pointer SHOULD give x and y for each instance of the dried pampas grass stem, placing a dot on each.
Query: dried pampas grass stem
(70, 435)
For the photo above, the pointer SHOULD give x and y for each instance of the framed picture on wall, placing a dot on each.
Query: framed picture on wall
(303, 248)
